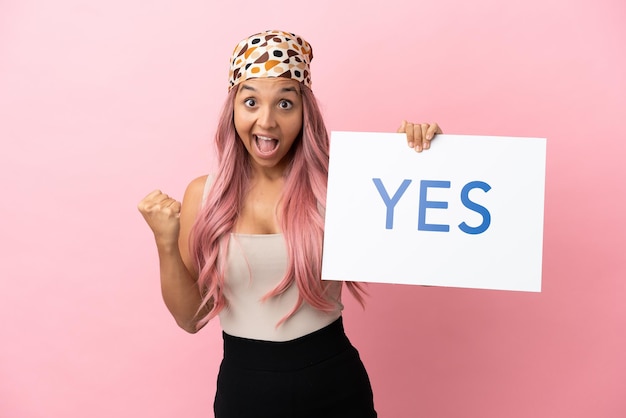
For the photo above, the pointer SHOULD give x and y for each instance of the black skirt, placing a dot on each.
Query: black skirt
(317, 375)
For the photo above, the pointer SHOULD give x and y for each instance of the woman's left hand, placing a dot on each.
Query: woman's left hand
(419, 135)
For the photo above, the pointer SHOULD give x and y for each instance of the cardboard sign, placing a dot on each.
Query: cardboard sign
(466, 213)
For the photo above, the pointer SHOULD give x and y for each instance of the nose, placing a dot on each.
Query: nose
(267, 118)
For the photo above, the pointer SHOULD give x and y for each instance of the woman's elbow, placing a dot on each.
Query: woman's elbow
(191, 327)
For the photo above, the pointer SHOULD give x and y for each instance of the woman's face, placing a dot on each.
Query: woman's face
(268, 119)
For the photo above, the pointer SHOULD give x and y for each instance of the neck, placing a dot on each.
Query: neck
(271, 174)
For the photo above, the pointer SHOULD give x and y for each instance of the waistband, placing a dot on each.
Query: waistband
(299, 353)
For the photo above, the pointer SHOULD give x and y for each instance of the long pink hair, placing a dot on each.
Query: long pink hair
(301, 208)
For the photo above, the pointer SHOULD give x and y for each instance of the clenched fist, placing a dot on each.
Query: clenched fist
(162, 213)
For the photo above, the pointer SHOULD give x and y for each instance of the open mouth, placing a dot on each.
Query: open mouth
(265, 145)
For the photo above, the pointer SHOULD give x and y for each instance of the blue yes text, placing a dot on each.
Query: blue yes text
(425, 204)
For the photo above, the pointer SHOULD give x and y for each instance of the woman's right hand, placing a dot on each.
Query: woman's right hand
(162, 213)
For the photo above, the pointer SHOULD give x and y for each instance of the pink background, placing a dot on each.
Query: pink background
(101, 102)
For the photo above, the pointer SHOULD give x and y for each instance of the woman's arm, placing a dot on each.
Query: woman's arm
(171, 224)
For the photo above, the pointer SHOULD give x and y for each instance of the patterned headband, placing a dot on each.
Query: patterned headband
(271, 54)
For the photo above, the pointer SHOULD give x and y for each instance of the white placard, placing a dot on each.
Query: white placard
(466, 213)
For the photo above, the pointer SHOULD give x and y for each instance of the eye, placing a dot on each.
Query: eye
(285, 104)
(250, 102)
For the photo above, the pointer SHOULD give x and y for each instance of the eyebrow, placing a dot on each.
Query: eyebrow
(283, 90)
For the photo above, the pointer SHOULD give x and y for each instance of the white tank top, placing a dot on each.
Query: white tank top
(256, 264)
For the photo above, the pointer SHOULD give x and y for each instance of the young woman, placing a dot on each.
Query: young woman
(246, 245)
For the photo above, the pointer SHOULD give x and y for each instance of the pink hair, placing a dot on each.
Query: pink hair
(302, 204)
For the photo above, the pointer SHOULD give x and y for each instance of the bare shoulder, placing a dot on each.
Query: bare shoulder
(192, 203)
(195, 189)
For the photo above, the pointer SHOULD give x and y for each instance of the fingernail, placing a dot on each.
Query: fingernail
(411, 144)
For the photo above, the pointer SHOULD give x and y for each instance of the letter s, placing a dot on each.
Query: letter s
(475, 207)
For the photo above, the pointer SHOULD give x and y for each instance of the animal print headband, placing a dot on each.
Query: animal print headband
(271, 53)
